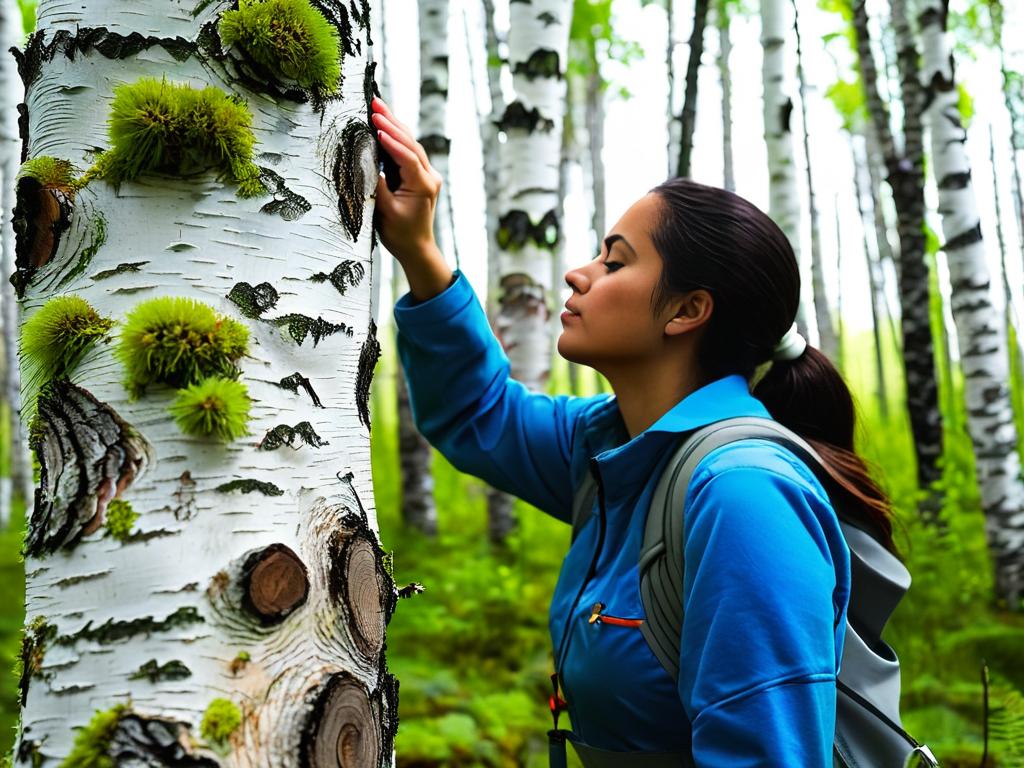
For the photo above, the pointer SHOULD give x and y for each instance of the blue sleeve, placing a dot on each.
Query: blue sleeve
(764, 620)
(464, 403)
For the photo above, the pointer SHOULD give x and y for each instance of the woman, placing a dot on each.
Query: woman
(693, 291)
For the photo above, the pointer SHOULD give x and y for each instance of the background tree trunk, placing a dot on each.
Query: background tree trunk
(688, 117)
(722, 19)
(238, 633)
(983, 353)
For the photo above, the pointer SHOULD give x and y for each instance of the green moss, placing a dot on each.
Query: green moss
(215, 407)
(289, 38)
(93, 741)
(156, 126)
(221, 719)
(54, 340)
(178, 342)
(120, 519)
(50, 172)
(243, 656)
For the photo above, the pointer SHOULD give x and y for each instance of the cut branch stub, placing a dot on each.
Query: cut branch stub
(274, 583)
(41, 216)
(106, 454)
(358, 580)
(343, 730)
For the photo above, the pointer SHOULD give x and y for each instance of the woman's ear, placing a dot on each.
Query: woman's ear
(692, 310)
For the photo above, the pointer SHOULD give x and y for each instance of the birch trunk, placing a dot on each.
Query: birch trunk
(252, 573)
(670, 71)
(827, 341)
(725, 78)
(688, 117)
(19, 480)
(493, 184)
(530, 226)
(595, 132)
(983, 353)
(1016, 359)
(905, 176)
(874, 164)
(784, 197)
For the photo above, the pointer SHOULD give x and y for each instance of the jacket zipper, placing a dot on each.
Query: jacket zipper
(597, 617)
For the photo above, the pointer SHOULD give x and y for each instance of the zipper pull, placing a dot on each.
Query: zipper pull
(595, 612)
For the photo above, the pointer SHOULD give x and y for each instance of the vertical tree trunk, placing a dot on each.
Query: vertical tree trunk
(784, 204)
(983, 353)
(595, 132)
(823, 316)
(214, 600)
(493, 180)
(725, 77)
(905, 175)
(688, 117)
(674, 128)
(1013, 327)
(882, 229)
(530, 228)
(840, 327)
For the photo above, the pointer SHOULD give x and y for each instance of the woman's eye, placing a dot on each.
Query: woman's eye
(611, 264)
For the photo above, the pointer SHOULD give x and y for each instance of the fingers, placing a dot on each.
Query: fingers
(384, 119)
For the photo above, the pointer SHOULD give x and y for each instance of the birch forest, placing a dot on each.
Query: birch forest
(223, 541)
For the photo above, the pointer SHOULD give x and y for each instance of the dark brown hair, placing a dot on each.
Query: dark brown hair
(713, 239)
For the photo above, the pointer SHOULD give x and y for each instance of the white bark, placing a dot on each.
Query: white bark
(491, 147)
(199, 240)
(784, 198)
(725, 77)
(983, 353)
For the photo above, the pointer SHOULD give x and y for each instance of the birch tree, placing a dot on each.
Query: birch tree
(688, 117)
(983, 352)
(204, 585)
(723, 17)
(529, 228)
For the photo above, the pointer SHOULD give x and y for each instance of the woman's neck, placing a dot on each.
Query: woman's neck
(645, 395)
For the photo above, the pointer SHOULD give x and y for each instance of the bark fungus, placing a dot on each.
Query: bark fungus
(283, 434)
(296, 380)
(346, 275)
(368, 357)
(106, 453)
(274, 583)
(344, 727)
(355, 174)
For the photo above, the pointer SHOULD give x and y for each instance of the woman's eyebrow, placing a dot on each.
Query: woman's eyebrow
(608, 241)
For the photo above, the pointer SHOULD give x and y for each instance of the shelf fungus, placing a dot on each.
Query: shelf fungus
(45, 193)
(87, 455)
(344, 727)
(274, 583)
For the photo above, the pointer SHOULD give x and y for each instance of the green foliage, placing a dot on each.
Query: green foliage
(93, 741)
(290, 38)
(178, 341)
(848, 99)
(965, 105)
(120, 519)
(221, 719)
(52, 172)
(156, 126)
(54, 340)
(215, 407)
(28, 15)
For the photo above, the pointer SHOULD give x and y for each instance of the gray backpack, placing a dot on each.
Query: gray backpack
(868, 730)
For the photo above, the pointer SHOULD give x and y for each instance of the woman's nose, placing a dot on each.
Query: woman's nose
(577, 280)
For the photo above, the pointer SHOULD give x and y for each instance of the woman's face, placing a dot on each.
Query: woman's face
(611, 296)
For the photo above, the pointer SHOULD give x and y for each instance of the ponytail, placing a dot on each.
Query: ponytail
(809, 396)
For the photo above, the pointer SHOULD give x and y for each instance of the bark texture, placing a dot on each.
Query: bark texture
(688, 117)
(234, 615)
(725, 77)
(905, 176)
(983, 352)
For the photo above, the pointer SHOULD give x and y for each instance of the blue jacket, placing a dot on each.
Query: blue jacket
(767, 575)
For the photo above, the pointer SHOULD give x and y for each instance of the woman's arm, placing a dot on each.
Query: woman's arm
(766, 589)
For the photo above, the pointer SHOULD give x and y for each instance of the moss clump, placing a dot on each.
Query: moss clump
(54, 340)
(289, 38)
(120, 519)
(215, 407)
(221, 719)
(178, 342)
(93, 741)
(156, 126)
(50, 172)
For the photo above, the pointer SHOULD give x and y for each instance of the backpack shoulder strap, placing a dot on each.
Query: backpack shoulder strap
(583, 503)
(661, 553)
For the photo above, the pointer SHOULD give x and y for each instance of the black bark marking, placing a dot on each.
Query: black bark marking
(970, 237)
(151, 741)
(299, 326)
(960, 180)
(786, 115)
(369, 354)
(129, 266)
(352, 182)
(254, 301)
(430, 86)
(274, 584)
(156, 672)
(517, 116)
(250, 485)
(297, 380)
(106, 455)
(543, 62)
(386, 697)
(112, 631)
(515, 228)
(38, 635)
(41, 217)
(283, 434)
(547, 18)
(342, 277)
(287, 204)
(435, 144)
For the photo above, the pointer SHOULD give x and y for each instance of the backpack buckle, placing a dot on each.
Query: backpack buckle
(556, 703)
